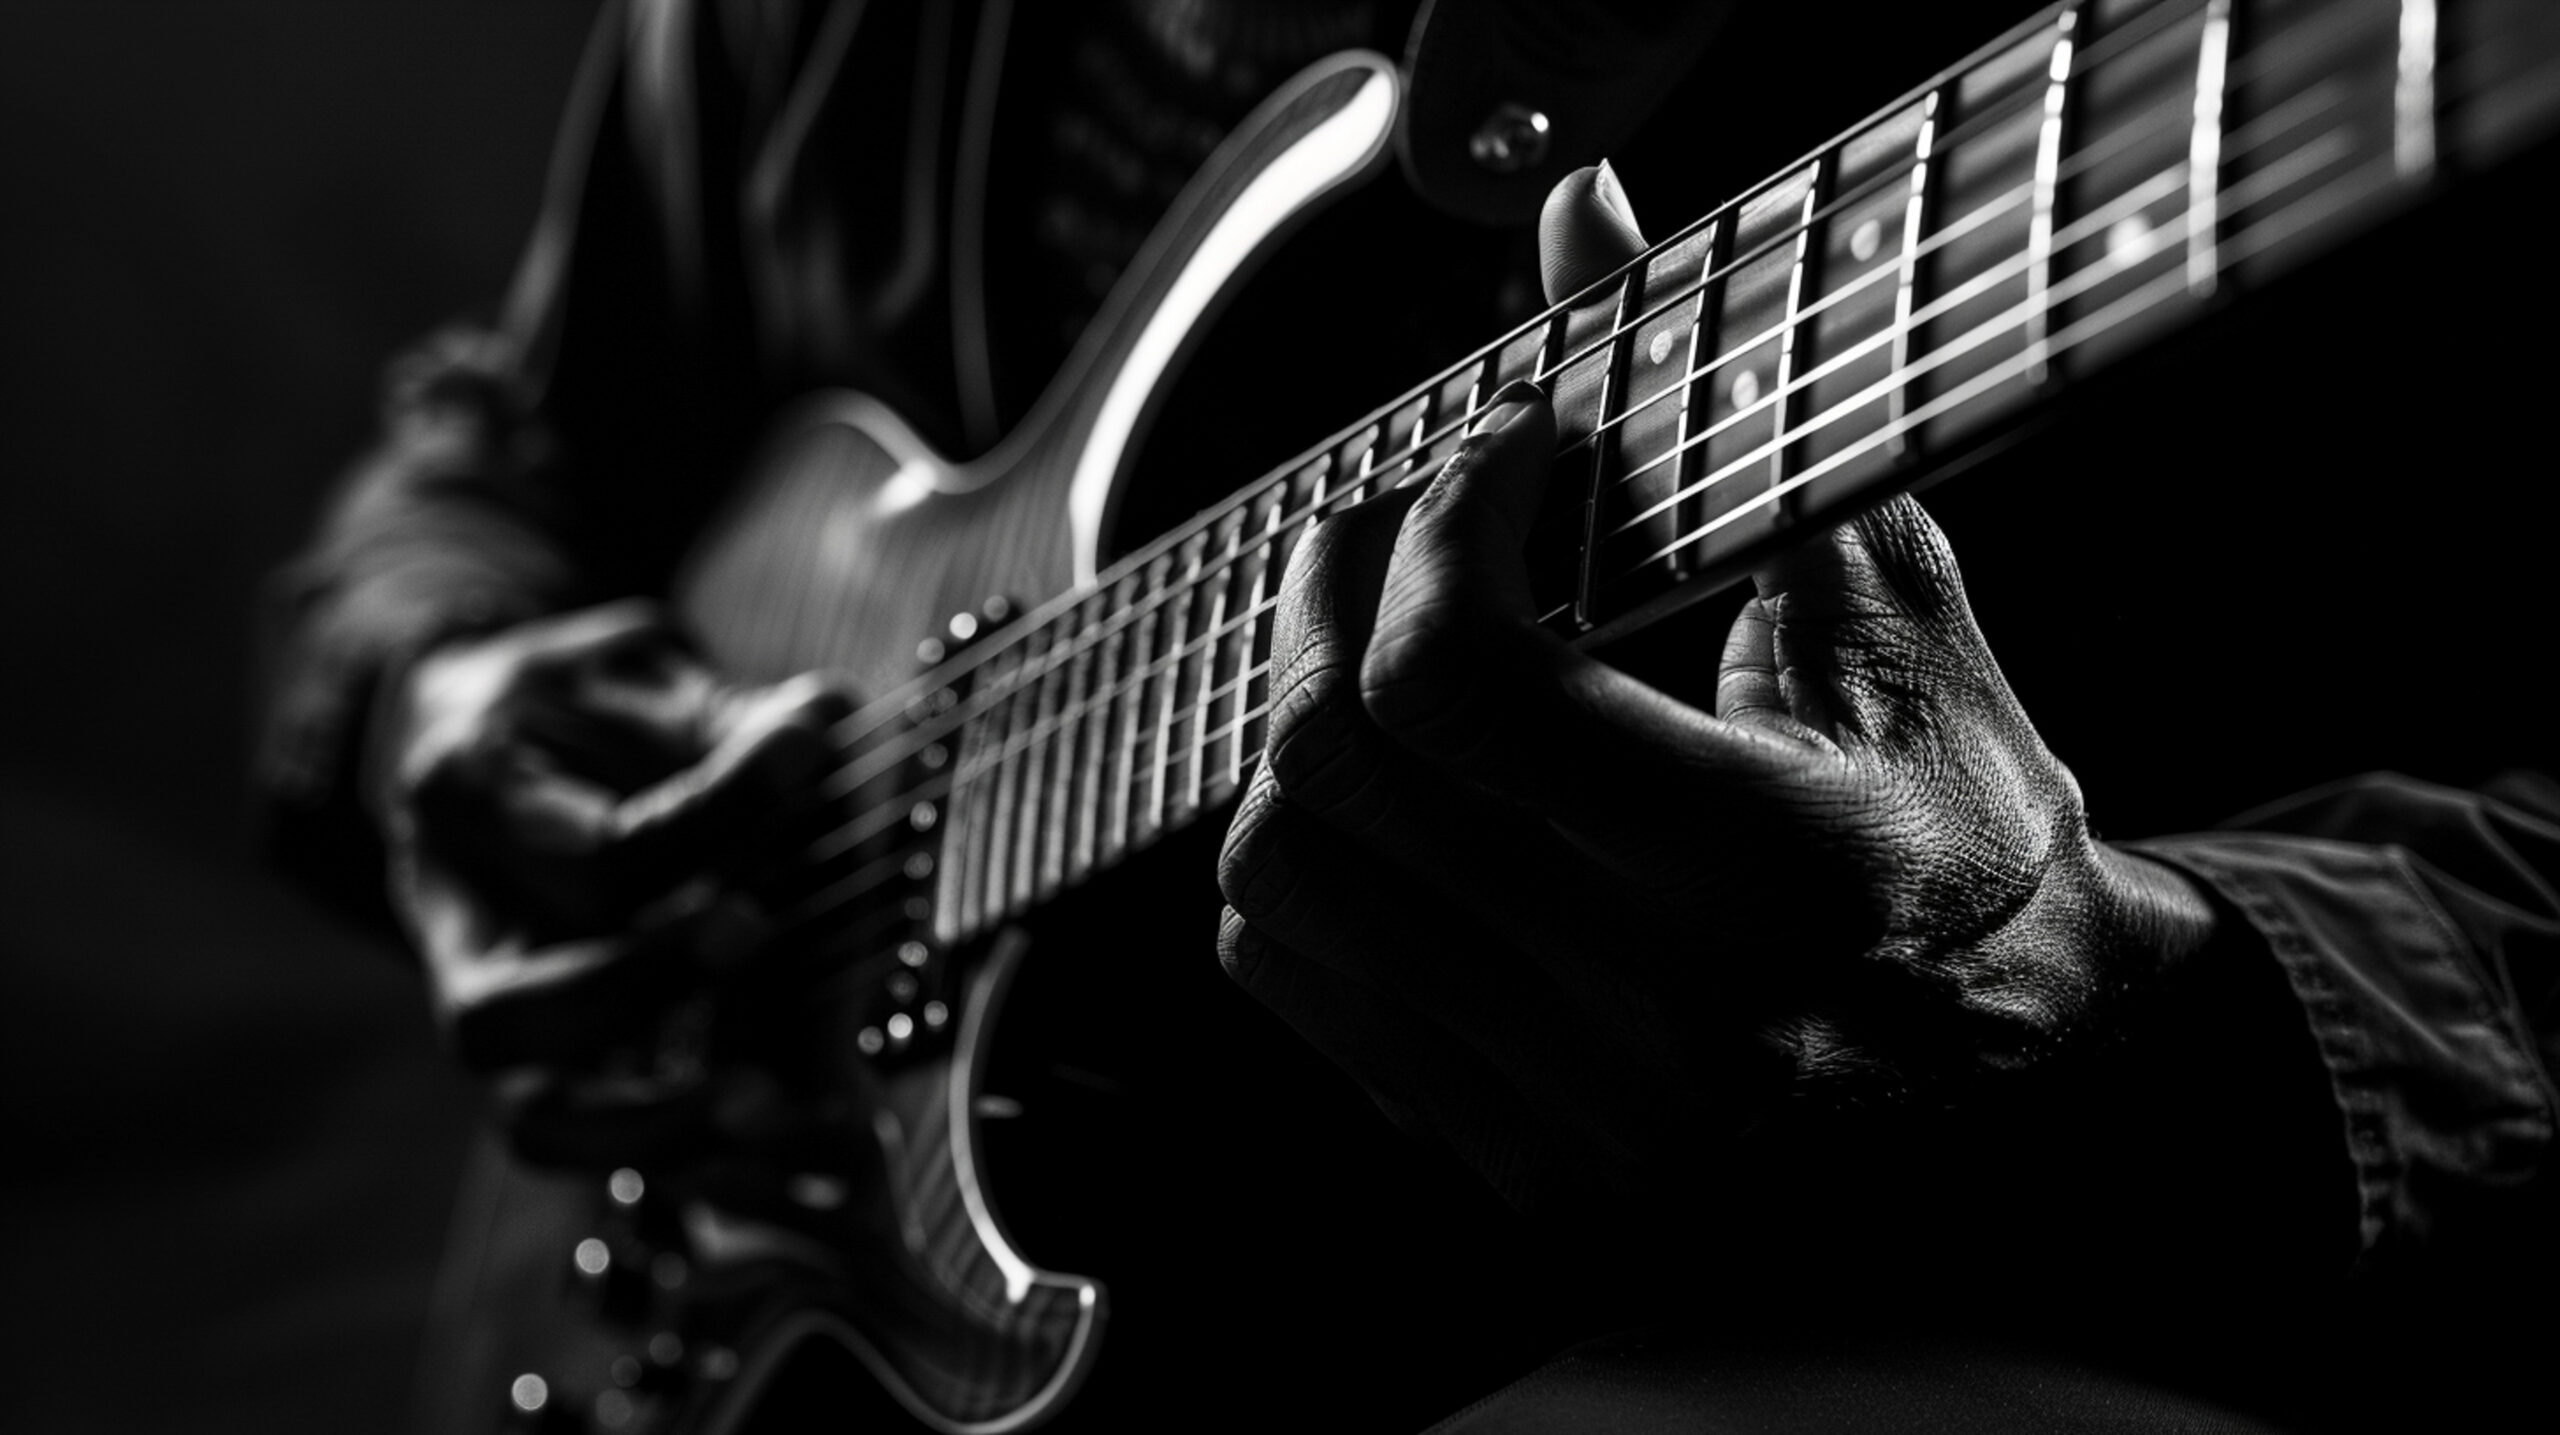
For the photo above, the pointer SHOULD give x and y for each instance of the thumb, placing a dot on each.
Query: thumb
(1586, 232)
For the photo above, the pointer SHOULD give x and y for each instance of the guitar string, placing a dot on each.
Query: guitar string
(2238, 246)
(1190, 585)
(1111, 694)
(1037, 667)
(2158, 239)
(2238, 197)
(877, 715)
(1193, 712)
(2169, 233)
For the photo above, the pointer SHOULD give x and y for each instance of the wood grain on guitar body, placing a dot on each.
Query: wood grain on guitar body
(1902, 301)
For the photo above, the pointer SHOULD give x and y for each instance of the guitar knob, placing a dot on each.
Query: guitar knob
(533, 1408)
(615, 1283)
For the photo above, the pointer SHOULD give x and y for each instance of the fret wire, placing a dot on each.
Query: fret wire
(1094, 756)
(2246, 141)
(1136, 612)
(1065, 836)
(977, 769)
(1169, 686)
(1907, 278)
(1612, 379)
(1120, 621)
(1198, 757)
(869, 878)
(2163, 183)
(2087, 277)
(937, 786)
(2204, 149)
(881, 713)
(1780, 384)
(1254, 600)
(1003, 801)
(1124, 726)
(2048, 183)
(2413, 95)
(1686, 387)
(2251, 240)
(1989, 210)
(1312, 509)
(2242, 246)
(1033, 844)
(875, 716)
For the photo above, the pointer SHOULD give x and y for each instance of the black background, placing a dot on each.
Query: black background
(230, 1143)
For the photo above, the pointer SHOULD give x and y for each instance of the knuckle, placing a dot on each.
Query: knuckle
(1419, 670)
(1317, 727)
(1254, 873)
(1240, 949)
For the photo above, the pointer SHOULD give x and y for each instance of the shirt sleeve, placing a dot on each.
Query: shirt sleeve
(550, 457)
(2418, 927)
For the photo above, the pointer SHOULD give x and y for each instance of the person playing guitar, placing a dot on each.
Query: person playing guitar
(1774, 971)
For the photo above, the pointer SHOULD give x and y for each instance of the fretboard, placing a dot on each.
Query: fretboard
(2101, 176)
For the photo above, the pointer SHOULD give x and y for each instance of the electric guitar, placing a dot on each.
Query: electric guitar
(1902, 302)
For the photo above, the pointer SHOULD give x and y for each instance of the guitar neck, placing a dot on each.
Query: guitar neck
(2104, 174)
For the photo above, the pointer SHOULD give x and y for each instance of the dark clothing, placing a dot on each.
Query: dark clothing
(755, 199)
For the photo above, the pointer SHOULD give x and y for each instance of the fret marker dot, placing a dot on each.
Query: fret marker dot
(1865, 240)
(2129, 240)
(1660, 348)
(922, 816)
(1746, 389)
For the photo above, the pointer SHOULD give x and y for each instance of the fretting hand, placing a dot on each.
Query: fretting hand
(562, 800)
(1590, 936)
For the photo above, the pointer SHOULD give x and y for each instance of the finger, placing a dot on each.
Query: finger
(1431, 1085)
(1755, 689)
(1459, 670)
(504, 1001)
(1586, 232)
(770, 746)
(1454, 845)
(1870, 619)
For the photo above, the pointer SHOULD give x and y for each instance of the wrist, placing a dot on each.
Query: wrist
(2151, 909)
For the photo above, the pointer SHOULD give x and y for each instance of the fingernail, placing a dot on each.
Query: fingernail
(1511, 403)
(1613, 194)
